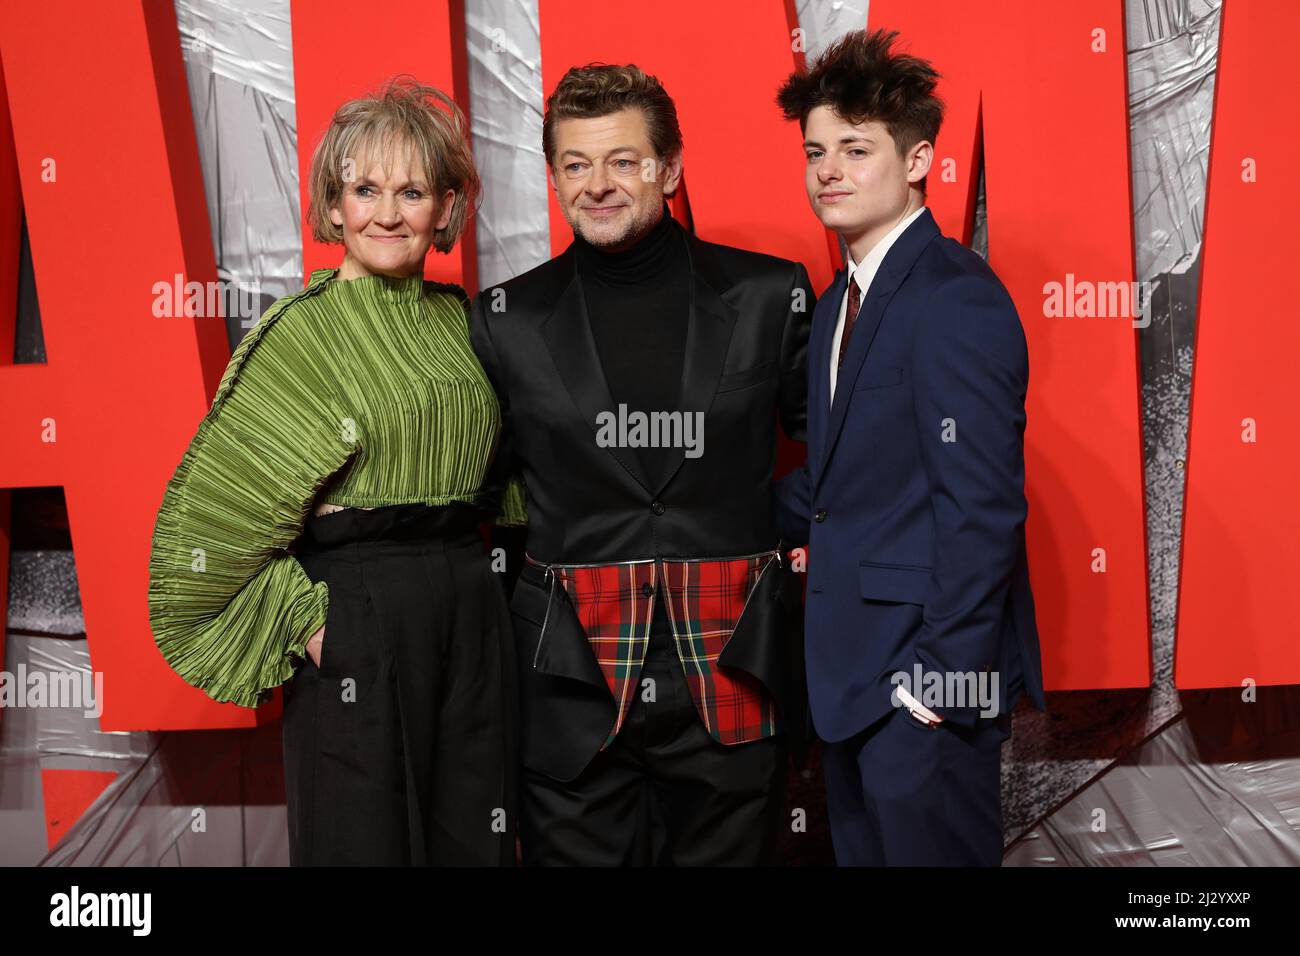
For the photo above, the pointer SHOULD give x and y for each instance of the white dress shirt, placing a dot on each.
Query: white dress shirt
(862, 274)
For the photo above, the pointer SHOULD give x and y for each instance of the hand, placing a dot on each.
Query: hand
(916, 710)
(314, 646)
(919, 718)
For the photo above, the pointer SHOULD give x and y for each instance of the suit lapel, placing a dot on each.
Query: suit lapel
(819, 356)
(708, 337)
(567, 333)
(893, 270)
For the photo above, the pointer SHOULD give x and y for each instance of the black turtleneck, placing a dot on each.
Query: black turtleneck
(638, 302)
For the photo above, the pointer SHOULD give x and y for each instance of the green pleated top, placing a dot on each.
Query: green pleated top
(359, 392)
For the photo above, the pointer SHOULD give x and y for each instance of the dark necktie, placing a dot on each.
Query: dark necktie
(850, 317)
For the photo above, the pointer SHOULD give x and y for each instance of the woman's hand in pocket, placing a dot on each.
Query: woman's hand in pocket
(314, 645)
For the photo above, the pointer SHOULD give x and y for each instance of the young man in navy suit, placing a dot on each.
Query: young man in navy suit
(920, 632)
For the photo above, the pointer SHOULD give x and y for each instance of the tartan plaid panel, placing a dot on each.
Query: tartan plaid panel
(705, 601)
(616, 616)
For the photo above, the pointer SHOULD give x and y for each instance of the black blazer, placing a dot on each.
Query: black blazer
(745, 370)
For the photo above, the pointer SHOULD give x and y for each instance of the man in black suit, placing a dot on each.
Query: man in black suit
(640, 374)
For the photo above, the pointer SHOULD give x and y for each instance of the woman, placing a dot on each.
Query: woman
(354, 422)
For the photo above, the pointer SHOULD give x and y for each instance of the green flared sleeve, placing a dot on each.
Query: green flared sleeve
(230, 608)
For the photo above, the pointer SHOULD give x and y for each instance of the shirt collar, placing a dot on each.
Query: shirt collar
(866, 269)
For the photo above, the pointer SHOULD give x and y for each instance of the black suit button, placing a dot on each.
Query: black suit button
(657, 507)
(647, 589)
(820, 515)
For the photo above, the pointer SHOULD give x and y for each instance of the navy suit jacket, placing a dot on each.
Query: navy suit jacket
(912, 496)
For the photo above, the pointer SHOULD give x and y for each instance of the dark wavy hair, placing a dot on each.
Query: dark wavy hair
(860, 77)
(599, 89)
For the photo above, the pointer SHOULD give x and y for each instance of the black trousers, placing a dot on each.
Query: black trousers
(400, 748)
(664, 792)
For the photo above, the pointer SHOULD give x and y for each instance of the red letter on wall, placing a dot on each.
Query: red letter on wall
(1043, 85)
(105, 152)
(1238, 597)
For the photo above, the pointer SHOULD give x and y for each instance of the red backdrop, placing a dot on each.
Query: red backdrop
(114, 202)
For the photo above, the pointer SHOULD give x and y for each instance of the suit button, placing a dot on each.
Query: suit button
(820, 515)
(657, 507)
(647, 589)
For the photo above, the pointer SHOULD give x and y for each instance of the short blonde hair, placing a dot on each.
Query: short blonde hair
(405, 112)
